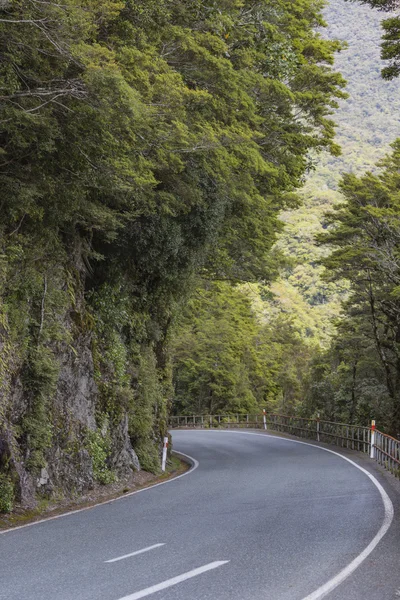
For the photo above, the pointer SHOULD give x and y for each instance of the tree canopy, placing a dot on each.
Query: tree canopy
(323, 355)
(366, 242)
(390, 37)
(142, 143)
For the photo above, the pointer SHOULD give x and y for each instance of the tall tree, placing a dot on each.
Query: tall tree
(366, 242)
(141, 141)
(222, 363)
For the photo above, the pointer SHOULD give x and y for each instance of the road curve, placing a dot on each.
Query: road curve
(261, 518)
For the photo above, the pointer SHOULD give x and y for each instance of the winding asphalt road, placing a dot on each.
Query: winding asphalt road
(260, 518)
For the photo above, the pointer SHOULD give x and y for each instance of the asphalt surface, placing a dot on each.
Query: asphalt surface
(260, 518)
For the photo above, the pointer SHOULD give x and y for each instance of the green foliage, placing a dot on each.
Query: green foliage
(41, 374)
(366, 242)
(232, 356)
(6, 494)
(112, 324)
(145, 412)
(99, 447)
(338, 374)
(190, 128)
(368, 119)
(141, 144)
(347, 381)
(5, 359)
(128, 376)
(342, 363)
(390, 37)
(220, 358)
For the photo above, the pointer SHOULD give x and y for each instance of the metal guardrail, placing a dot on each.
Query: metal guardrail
(379, 446)
(387, 452)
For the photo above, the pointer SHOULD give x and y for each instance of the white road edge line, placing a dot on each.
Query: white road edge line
(79, 510)
(330, 585)
(175, 580)
(142, 551)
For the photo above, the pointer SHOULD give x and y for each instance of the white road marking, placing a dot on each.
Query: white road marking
(142, 551)
(194, 462)
(175, 580)
(328, 587)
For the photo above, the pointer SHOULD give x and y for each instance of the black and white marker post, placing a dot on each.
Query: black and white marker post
(164, 454)
(373, 436)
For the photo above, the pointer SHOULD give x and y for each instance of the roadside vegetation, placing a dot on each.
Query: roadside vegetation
(327, 323)
(144, 145)
(173, 234)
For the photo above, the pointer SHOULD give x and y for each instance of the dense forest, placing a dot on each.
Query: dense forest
(145, 147)
(321, 354)
(174, 236)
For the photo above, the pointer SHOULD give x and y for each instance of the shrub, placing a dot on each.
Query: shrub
(6, 494)
(99, 449)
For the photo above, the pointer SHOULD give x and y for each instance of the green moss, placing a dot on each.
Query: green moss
(126, 372)
(6, 494)
(99, 447)
(111, 311)
(174, 463)
(145, 412)
(5, 356)
(40, 380)
(146, 451)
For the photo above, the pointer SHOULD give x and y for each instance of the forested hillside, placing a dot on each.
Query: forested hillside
(356, 378)
(369, 118)
(367, 123)
(143, 144)
(311, 366)
(176, 230)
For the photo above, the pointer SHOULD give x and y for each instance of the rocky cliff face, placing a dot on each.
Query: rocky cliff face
(76, 399)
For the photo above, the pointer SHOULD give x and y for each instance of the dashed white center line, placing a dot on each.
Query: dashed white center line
(175, 580)
(113, 560)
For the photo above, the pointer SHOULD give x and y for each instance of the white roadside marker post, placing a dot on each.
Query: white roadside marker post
(318, 426)
(265, 418)
(373, 436)
(164, 454)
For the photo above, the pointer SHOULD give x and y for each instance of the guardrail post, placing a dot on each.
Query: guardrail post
(318, 426)
(373, 438)
(164, 454)
(265, 418)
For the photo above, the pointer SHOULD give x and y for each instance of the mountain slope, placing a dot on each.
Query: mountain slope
(368, 121)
